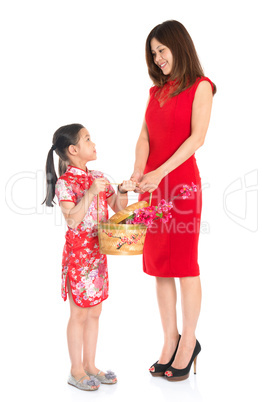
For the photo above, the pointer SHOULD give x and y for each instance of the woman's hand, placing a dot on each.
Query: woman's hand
(150, 181)
(128, 185)
(97, 186)
(137, 177)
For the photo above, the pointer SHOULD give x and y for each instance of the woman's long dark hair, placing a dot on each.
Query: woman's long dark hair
(62, 139)
(186, 65)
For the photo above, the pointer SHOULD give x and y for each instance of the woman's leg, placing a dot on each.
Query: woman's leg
(166, 296)
(77, 320)
(191, 305)
(90, 337)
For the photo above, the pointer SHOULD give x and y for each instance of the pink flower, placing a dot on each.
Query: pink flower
(98, 282)
(194, 187)
(166, 218)
(102, 269)
(185, 191)
(146, 216)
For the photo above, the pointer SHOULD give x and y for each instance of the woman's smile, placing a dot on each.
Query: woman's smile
(163, 65)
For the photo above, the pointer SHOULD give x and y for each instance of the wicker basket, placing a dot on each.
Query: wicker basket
(121, 238)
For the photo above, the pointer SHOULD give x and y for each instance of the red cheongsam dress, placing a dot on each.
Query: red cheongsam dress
(171, 249)
(82, 262)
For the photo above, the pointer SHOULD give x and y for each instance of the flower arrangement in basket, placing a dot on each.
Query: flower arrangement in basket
(124, 233)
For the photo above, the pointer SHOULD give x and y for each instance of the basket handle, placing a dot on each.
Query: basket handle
(98, 221)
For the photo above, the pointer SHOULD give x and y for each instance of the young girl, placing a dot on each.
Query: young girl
(84, 269)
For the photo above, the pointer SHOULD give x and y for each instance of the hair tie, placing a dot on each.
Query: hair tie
(53, 147)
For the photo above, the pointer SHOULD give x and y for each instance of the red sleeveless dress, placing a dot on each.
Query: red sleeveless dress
(171, 249)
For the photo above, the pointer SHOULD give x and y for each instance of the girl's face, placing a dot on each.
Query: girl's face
(162, 56)
(86, 148)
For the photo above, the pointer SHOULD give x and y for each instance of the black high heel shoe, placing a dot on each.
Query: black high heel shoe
(173, 374)
(158, 370)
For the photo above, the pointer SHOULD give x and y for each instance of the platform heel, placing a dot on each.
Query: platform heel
(173, 374)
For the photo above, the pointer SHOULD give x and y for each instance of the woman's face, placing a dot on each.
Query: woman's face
(162, 56)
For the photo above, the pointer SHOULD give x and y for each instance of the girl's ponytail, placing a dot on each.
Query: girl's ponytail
(51, 178)
(62, 167)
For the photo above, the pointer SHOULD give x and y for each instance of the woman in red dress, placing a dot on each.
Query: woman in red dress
(175, 125)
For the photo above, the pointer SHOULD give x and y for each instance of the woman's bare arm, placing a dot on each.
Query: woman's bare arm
(141, 152)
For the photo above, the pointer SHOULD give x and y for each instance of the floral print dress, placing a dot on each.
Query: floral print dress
(81, 261)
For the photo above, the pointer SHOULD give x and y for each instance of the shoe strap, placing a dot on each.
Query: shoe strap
(82, 378)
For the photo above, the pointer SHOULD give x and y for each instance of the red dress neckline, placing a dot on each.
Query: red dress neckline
(75, 167)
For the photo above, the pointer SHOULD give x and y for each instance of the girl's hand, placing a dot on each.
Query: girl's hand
(97, 186)
(137, 177)
(128, 185)
(150, 181)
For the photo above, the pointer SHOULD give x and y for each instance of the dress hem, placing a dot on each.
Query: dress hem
(173, 276)
(65, 297)
(91, 305)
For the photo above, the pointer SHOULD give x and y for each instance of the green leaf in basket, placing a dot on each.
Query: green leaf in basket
(160, 215)
(130, 217)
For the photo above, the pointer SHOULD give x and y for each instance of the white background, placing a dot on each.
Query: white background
(83, 61)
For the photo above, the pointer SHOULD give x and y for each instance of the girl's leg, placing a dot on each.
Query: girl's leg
(191, 305)
(77, 320)
(90, 336)
(166, 296)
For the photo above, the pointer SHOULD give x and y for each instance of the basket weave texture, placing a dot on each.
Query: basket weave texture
(120, 238)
